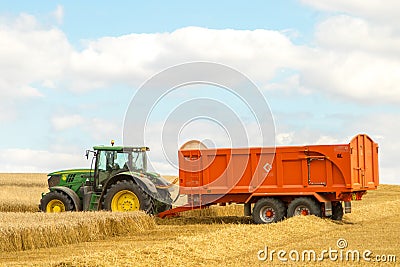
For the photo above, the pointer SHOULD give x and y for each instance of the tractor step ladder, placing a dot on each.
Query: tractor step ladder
(94, 202)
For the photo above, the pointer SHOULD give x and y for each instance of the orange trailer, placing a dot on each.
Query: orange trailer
(274, 183)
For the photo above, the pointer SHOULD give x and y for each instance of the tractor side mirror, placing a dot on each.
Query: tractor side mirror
(88, 152)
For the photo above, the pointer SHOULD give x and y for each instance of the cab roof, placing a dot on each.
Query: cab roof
(121, 148)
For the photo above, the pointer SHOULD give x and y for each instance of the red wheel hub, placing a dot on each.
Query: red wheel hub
(269, 213)
(304, 212)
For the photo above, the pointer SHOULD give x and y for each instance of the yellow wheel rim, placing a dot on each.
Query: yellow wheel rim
(55, 205)
(125, 200)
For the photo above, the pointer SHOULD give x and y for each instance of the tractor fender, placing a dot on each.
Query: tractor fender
(145, 183)
(74, 196)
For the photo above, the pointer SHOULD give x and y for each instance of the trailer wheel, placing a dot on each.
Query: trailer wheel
(304, 206)
(268, 210)
(126, 196)
(337, 211)
(56, 201)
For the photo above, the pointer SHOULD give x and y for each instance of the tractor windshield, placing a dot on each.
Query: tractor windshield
(117, 160)
(133, 161)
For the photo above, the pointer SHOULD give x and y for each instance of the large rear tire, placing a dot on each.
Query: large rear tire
(126, 196)
(304, 206)
(268, 210)
(56, 201)
(164, 202)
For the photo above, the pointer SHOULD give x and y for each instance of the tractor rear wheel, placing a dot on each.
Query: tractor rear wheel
(164, 202)
(126, 196)
(304, 206)
(268, 210)
(56, 201)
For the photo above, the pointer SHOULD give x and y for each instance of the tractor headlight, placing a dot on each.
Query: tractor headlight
(54, 180)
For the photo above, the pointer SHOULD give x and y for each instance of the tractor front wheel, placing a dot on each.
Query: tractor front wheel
(126, 196)
(56, 201)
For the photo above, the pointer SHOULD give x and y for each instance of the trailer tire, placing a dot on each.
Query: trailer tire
(56, 201)
(337, 211)
(304, 206)
(126, 196)
(268, 210)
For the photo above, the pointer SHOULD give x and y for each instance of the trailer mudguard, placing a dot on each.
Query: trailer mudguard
(74, 196)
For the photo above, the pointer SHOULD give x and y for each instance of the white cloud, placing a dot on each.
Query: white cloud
(28, 160)
(24, 22)
(383, 128)
(64, 122)
(101, 130)
(358, 45)
(29, 92)
(29, 55)
(58, 14)
(284, 138)
(347, 33)
(358, 76)
(133, 58)
(351, 57)
(376, 10)
(98, 129)
(356, 59)
(327, 140)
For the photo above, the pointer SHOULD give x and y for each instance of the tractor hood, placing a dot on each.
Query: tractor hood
(72, 178)
(65, 172)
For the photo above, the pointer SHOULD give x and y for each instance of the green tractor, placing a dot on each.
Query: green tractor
(117, 181)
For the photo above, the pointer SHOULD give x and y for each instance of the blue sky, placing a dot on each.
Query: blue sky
(94, 19)
(329, 70)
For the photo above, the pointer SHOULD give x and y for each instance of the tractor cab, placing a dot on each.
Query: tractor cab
(109, 161)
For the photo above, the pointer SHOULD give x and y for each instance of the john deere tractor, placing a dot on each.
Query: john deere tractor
(117, 181)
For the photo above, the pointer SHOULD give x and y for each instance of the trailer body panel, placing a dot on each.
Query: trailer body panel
(337, 172)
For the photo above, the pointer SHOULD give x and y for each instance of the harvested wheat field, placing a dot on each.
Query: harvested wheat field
(24, 231)
(21, 192)
(218, 236)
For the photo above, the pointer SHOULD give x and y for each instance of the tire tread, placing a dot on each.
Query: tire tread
(313, 206)
(276, 204)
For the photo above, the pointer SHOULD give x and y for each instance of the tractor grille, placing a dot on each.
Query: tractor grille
(54, 180)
